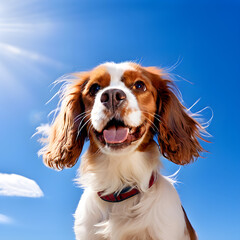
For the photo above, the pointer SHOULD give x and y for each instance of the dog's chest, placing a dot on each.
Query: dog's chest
(154, 215)
(126, 220)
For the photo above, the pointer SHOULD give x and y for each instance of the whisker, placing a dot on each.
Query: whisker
(78, 117)
(153, 125)
(82, 127)
(82, 114)
(90, 128)
(154, 115)
(83, 117)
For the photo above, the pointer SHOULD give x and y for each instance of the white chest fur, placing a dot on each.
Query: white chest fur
(153, 215)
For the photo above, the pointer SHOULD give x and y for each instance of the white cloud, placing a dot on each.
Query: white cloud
(16, 185)
(5, 219)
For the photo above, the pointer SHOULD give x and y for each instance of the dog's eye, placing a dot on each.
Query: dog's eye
(94, 89)
(140, 86)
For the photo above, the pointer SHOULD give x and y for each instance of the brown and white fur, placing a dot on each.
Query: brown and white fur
(142, 99)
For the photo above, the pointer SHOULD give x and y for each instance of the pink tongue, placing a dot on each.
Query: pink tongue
(115, 135)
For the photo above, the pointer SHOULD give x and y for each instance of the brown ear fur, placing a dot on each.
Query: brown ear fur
(178, 131)
(63, 144)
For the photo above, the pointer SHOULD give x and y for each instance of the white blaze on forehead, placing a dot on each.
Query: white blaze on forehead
(116, 71)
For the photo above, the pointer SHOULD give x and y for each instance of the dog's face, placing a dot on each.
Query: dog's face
(121, 103)
(120, 107)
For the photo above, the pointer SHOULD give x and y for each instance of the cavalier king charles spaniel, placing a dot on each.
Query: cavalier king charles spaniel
(131, 116)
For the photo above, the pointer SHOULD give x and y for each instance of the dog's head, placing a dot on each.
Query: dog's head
(120, 108)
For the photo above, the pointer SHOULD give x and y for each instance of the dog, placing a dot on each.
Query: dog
(131, 116)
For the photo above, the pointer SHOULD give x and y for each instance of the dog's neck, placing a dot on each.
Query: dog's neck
(112, 173)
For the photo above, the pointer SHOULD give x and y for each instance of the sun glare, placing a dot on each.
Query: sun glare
(21, 24)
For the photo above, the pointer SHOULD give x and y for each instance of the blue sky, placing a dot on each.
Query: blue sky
(42, 40)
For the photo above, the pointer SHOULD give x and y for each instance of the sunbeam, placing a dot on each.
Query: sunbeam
(8, 49)
(22, 25)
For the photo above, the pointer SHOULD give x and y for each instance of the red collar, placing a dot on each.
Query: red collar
(126, 193)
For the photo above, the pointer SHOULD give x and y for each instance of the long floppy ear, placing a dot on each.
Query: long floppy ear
(178, 131)
(63, 143)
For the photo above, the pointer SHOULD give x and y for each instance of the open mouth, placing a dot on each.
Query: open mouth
(117, 134)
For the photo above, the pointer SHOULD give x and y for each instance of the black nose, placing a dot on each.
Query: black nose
(113, 98)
